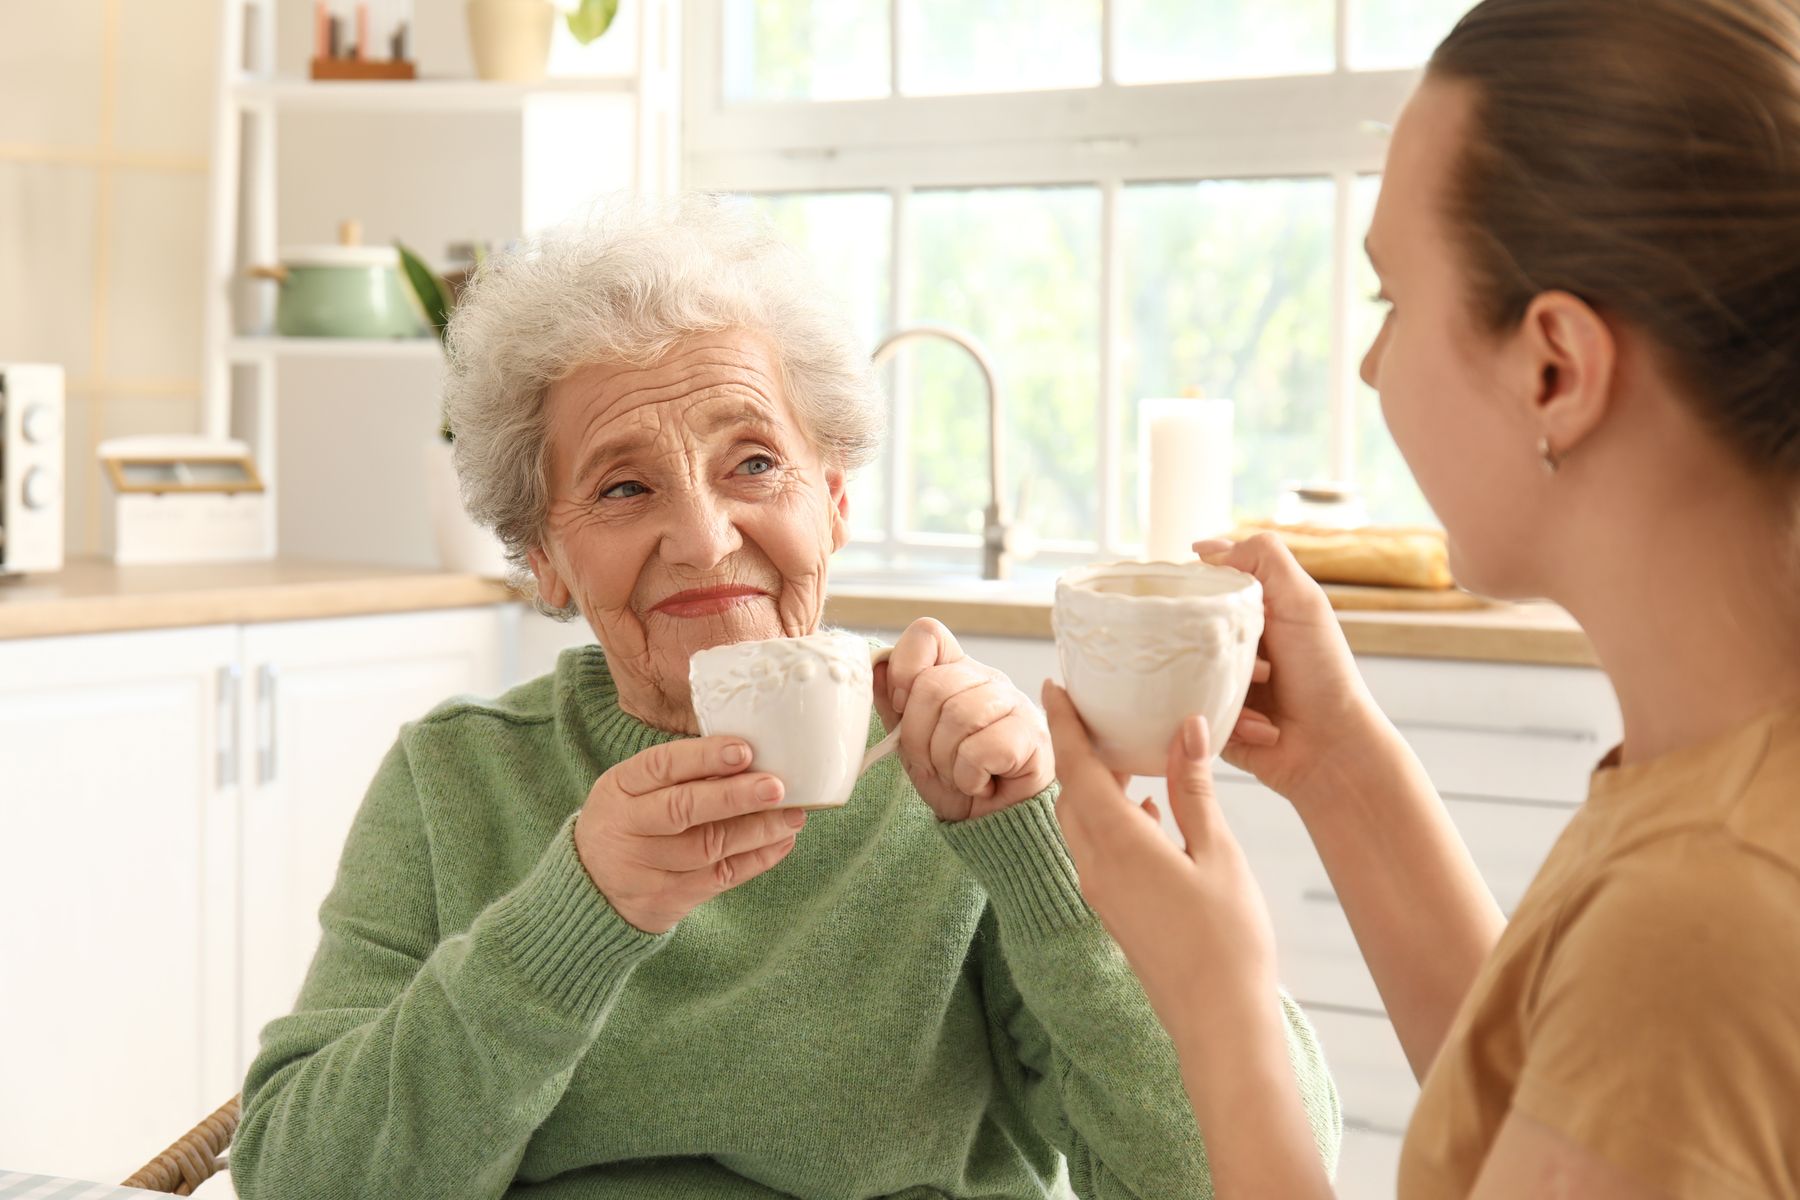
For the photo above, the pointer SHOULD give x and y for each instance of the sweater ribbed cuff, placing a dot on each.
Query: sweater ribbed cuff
(1019, 857)
(563, 935)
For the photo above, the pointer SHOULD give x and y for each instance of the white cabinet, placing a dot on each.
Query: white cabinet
(541, 641)
(173, 805)
(325, 700)
(116, 838)
(172, 809)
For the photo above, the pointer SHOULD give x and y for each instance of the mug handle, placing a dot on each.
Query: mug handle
(885, 747)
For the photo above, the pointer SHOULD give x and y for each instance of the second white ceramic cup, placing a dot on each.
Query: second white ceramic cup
(804, 705)
(1143, 646)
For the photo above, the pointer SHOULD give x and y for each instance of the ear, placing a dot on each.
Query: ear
(553, 589)
(1574, 357)
(837, 484)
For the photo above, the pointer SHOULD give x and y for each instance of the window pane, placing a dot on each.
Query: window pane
(1399, 33)
(1381, 474)
(806, 49)
(1020, 269)
(849, 238)
(1160, 41)
(952, 46)
(1227, 289)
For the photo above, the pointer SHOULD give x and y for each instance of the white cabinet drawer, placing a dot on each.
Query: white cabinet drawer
(1499, 697)
(1542, 767)
(1375, 1084)
(1509, 843)
(1319, 958)
(1547, 768)
(1500, 731)
(1317, 955)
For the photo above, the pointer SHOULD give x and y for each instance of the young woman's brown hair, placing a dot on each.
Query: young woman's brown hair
(1644, 155)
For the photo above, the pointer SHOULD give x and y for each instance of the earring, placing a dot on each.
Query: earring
(1548, 455)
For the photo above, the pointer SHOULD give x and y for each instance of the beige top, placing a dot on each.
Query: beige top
(1645, 1000)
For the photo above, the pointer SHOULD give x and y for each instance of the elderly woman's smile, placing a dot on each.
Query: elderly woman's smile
(688, 509)
(707, 601)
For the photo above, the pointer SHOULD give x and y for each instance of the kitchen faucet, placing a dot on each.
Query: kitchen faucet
(998, 543)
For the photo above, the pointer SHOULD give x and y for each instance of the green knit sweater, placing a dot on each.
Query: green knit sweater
(900, 1008)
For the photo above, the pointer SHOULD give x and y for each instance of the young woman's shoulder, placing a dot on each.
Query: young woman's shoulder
(1663, 1030)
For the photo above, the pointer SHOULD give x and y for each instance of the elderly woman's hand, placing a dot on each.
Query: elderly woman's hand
(970, 741)
(675, 825)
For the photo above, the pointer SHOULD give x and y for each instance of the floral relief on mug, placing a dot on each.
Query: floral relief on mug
(775, 665)
(1106, 647)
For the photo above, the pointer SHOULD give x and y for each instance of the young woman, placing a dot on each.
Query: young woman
(1589, 236)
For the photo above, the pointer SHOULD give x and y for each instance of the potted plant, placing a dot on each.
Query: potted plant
(462, 544)
(511, 38)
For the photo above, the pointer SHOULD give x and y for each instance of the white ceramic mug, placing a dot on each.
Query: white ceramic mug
(1143, 646)
(803, 704)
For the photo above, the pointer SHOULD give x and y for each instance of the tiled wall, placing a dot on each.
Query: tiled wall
(105, 132)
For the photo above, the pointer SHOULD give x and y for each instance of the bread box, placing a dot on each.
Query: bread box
(182, 499)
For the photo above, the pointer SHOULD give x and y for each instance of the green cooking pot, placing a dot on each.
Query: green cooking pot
(344, 292)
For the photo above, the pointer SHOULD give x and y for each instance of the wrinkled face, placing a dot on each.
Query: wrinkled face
(688, 508)
(1454, 396)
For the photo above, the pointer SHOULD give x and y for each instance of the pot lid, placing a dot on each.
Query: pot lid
(339, 256)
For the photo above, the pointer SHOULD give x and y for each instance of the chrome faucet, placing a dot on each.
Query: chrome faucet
(998, 541)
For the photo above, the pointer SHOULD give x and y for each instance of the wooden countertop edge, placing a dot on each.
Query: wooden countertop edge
(1542, 647)
(1530, 636)
(249, 604)
(972, 618)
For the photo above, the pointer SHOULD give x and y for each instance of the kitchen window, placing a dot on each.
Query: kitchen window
(1120, 198)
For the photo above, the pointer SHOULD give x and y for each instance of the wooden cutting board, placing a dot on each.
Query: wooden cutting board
(1350, 598)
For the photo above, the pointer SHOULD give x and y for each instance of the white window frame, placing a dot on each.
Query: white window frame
(1107, 136)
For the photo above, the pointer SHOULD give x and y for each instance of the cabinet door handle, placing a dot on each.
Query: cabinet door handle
(1535, 732)
(230, 681)
(1363, 1125)
(266, 679)
(1324, 897)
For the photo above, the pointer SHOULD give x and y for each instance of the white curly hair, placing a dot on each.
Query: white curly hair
(624, 285)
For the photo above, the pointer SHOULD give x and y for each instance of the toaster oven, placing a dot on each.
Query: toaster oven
(31, 467)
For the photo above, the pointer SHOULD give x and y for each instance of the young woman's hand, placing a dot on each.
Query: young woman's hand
(1195, 929)
(1192, 923)
(1309, 719)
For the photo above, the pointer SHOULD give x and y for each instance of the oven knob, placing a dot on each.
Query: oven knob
(38, 488)
(38, 423)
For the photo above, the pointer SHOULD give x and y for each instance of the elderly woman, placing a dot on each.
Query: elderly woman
(574, 951)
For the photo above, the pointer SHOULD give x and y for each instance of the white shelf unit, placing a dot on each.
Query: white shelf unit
(254, 350)
(441, 158)
(420, 95)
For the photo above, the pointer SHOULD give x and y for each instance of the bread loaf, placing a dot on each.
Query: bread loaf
(1374, 557)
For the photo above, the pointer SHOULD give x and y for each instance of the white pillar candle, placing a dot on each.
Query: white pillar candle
(1185, 453)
